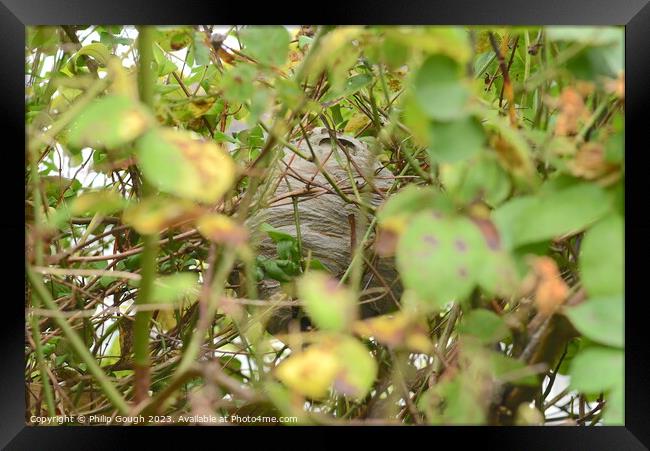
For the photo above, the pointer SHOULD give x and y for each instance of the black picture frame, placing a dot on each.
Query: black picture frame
(633, 14)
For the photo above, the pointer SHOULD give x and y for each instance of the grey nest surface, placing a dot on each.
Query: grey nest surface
(330, 225)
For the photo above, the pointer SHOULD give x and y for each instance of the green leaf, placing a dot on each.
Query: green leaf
(454, 402)
(109, 122)
(175, 288)
(499, 273)
(266, 44)
(439, 90)
(615, 409)
(57, 186)
(110, 39)
(288, 250)
(604, 55)
(358, 369)
(595, 63)
(587, 35)
(394, 52)
(352, 85)
(602, 258)
(219, 137)
(276, 235)
(176, 163)
(330, 306)
(513, 370)
(480, 178)
(98, 52)
(200, 50)
(304, 41)
(407, 202)
(273, 270)
(552, 213)
(165, 66)
(450, 41)
(600, 319)
(440, 256)
(101, 202)
(455, 141)
(237, 83)
(486, 326)
(597, 369)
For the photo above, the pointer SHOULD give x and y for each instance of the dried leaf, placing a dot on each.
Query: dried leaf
(551, 290)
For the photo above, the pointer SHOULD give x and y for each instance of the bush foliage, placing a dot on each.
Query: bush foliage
(150, 147)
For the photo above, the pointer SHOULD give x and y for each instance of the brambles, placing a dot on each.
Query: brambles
(434, 214)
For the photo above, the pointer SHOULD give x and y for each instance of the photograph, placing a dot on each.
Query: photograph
(324, 225)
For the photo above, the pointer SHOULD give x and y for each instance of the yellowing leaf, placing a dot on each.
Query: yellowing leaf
(387, 329)
(175, 287)
(198, 107)
(330, 306)
(356, 123)
(102, 202)
(339, 360)
(177, 163)
(221, 229)
(155, 214)
(166, 319)
(396, 331)
(124, 80)
(309, 373)
(528, 415)
(335, 53)
(512, 149)
(110, 122)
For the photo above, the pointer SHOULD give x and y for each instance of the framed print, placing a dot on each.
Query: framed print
(395, 215)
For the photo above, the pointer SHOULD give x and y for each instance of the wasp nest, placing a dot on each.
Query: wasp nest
(331, 225)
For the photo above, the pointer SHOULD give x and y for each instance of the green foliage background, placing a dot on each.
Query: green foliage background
(149, 147)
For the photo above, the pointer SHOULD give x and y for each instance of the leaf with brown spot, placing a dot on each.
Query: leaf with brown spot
(396, 331)
(330, 306)
(155, 214)
(309, 373)
(177, 163)
(109, 122)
